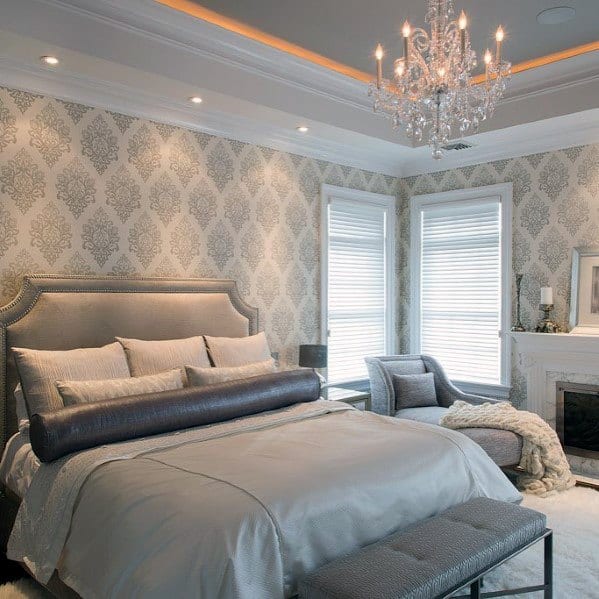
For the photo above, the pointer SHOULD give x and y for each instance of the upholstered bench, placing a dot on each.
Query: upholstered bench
(437, 557)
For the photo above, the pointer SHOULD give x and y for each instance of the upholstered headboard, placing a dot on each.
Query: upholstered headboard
(55, 312)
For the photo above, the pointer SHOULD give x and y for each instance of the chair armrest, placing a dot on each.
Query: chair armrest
(382, 395)
(476, 400)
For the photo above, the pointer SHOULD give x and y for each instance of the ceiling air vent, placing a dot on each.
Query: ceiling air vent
(457, 145)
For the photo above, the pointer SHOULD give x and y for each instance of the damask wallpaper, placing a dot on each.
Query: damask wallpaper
(87, 191)
(555, 208)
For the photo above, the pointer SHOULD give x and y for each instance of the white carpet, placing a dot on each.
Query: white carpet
(574, 517)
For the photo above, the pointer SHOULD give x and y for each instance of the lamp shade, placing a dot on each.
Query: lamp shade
(313, 356)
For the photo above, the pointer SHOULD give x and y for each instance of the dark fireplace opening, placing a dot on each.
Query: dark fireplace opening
(578, 418)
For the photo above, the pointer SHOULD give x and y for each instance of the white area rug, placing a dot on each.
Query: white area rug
(574, 517)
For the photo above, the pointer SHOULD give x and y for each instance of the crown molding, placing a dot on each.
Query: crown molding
(117, 97)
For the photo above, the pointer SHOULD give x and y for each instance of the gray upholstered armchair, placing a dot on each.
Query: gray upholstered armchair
(504, 447)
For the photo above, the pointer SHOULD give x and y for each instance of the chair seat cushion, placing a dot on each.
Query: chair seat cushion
(503, 447)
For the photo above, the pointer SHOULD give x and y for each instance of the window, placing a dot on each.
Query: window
(357, 283)
(461, 284)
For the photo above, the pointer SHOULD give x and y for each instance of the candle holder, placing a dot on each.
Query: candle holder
(546, 325)
(518, 327)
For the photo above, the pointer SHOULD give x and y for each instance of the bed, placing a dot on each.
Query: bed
(241, 508)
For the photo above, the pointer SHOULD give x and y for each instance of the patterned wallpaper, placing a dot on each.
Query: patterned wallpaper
(555, 208)
(87, 191)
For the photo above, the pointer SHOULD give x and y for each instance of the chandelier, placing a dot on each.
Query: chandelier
(432, 89)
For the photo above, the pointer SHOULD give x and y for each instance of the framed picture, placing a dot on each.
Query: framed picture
(584, 295)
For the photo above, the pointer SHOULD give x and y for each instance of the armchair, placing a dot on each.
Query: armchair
(504, 447)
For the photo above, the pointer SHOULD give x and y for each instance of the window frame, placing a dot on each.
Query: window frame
(417, 202)
(356, 196)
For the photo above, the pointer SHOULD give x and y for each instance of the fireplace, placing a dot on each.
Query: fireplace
(577, 418)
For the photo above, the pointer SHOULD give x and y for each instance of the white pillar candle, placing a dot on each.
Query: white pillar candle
(546, 295)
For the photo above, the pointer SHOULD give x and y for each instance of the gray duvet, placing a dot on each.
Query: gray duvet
(242, 508)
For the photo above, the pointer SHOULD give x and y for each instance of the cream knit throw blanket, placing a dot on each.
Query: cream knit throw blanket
(546, 469)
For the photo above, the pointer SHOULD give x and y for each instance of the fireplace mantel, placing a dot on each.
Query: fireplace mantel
(541, 353)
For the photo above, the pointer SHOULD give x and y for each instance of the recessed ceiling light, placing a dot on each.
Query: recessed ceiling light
(556, 15)
(51, 60)
(302, 129)
(195, 99)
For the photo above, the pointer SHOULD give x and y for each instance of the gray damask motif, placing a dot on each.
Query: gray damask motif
(203, 139)
(534, 215)
(236, 146)
(267, 213)
(282, 322)
(165, 198)
(12, 275)
(553, 249)
(50, 135)
(8, 230)
(296, 285)
(8, 129)
(309, 251)
(75, 187)
(50, 233)
(252, 248)
(220, 166)
(296, 216)
(164, 130)
(144, 152)
(100, 237)
(588, 172)
(145, 240)
(123, 193)
(237, 208)
(281, 177)
(122, 121)
(76, 265)
(123, 268)
(99, 144)
(237, 272)
(165, 268)
(282, 249)
(202, 204)
(22, 180)
(23, 100)
(185, 243)
(522, 183)
(309, 181)
(74, 110)
(252, 172)
(572, 214)
(220, 245)
(184, 159)
(554, 177)
(268, 284)
(309, 325)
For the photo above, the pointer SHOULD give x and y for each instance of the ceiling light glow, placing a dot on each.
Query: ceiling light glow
(302, 129)
(50, 60)
(195, 99)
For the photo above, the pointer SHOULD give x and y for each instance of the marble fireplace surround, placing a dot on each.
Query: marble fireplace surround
(549, 358)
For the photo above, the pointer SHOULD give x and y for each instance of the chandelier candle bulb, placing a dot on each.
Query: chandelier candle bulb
(463, 21)
(499, 38)
(379, 65)
(406, 30)
(488, 58)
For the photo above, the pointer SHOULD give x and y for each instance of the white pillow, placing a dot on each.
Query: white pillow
(40, 369)
(238, 351)
(152, 357)
(209, 376)
(78, 392)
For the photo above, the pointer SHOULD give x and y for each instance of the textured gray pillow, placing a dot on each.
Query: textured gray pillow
(77, 392)
(414, 390)
(210, 376)
(237, 351)
(40, 369)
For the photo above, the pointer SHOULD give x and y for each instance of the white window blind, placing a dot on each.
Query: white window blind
(460, 288)
(358, 272)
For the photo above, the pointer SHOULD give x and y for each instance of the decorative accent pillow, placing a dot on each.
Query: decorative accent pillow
(238, 351)
(208, 376)
(153, 357)
(78, 392)
(40, 369)
(414, 390)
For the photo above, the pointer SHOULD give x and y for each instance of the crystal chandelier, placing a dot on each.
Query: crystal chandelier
(432, 89)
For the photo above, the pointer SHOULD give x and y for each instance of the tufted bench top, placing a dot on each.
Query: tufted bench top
(432, 557)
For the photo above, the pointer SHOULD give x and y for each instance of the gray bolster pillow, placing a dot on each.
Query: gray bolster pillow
(58, 433)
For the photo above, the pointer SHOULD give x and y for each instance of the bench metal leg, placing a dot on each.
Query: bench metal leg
(475, 589)
(548, 568)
